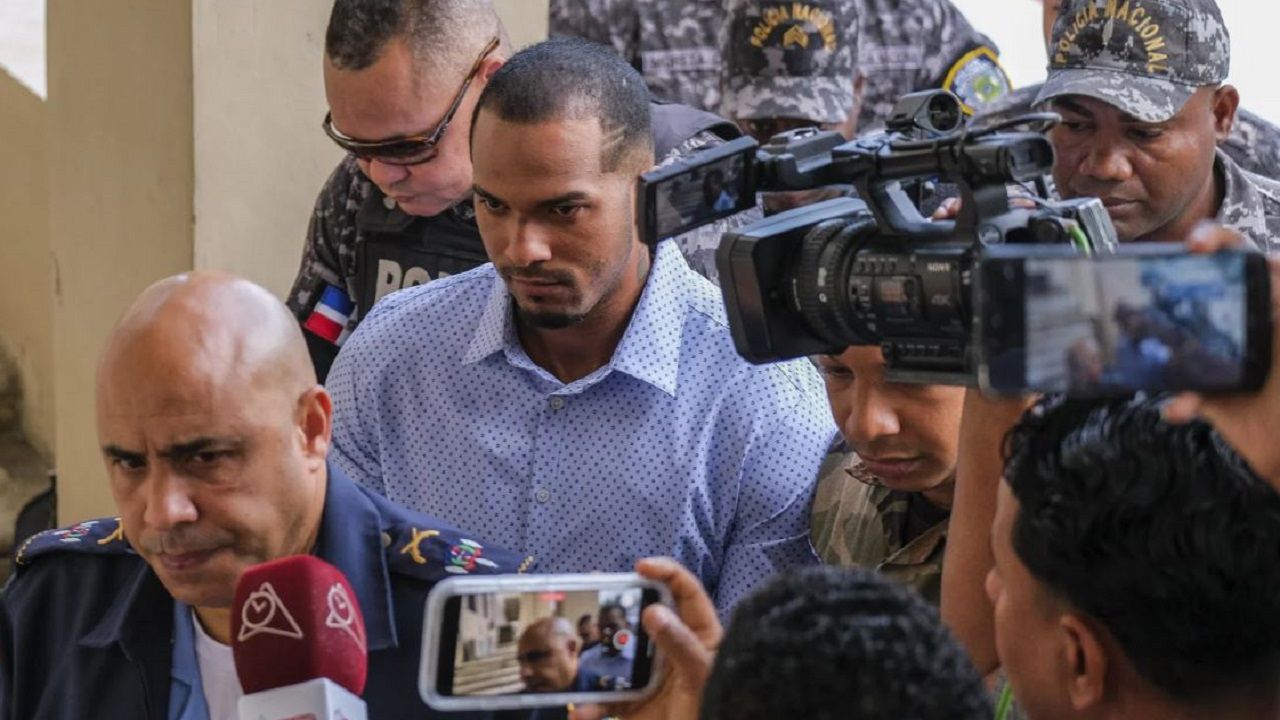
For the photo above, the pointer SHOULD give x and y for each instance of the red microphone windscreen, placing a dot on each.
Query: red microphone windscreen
(296, 619)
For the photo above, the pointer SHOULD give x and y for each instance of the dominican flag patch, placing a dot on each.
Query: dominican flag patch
(329, 318)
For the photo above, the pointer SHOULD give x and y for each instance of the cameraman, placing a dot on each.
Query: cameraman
(1140, 126)
(1140, 132)
(1252, 142)
(1248, 422)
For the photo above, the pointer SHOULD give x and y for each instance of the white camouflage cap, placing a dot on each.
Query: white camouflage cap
(1145, 57)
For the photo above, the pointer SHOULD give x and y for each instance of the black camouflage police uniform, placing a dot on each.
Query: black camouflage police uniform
(912, 45)
(672, 43)
(905, 46)
(1147, 58)
(778, 64)
(86, 626)
(362, 244)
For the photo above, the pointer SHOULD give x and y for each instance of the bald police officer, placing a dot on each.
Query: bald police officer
(402, 78)
(905, 46)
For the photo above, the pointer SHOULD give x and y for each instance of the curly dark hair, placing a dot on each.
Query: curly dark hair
(1161, 533)
(839, 643)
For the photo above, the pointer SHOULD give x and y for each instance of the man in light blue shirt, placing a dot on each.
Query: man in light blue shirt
(580, 397)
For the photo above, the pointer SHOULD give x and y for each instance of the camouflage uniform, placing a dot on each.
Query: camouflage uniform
(789, 60)
(360, 246)
(911, 45)
(1148, 58)
(671, 42)
(859, 522)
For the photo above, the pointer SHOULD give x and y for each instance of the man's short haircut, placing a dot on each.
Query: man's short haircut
(444, 35)
(1159, 532)
(611, 608)
(835, 643)
(573, 79)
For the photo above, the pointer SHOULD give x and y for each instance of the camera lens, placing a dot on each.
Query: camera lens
(820, 279)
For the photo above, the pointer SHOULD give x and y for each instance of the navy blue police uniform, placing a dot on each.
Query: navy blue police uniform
(86, 627)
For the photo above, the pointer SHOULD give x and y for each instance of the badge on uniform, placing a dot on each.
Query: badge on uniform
(977, 79)
(328, 319)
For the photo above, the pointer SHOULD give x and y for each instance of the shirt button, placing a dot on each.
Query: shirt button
(388, 203)
(386, 540)
(557, 402)
(542, 495)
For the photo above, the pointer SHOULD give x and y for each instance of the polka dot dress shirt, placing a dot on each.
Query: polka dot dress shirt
(676, 447)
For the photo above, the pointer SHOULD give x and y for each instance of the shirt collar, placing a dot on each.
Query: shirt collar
(650, 348)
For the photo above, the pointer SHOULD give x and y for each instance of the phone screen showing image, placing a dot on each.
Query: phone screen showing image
(545, 641)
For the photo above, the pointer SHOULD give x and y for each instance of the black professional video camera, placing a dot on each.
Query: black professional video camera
(869, 271)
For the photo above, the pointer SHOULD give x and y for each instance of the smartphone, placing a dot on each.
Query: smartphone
(1149, 317)
(709, 184)
(500, 642)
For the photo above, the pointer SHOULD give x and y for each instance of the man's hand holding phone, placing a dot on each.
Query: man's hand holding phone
(1246, 420)
(687, 636)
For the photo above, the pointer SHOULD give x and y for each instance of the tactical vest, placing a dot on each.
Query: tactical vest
(398, 250)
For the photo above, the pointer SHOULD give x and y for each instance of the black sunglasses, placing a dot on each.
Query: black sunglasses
(415, 149)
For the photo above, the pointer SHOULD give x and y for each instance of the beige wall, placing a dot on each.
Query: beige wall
(26, 295)
(260, 156)
(120, 174)
(526, 20)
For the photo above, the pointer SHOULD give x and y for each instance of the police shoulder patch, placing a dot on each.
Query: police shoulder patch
(104, 536)
(977, 78)
(434, 552)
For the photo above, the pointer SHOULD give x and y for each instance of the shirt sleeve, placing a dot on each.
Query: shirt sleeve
(356, 429)
(771, 528)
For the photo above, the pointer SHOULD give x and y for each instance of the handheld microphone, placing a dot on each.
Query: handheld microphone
(299, 642)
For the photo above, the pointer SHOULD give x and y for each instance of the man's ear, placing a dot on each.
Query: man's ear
(1226, 100)
(315, 422)
(1084, 662)
(489, 66)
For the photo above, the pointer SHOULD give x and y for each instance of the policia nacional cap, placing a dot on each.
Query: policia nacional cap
(1145, 57)
(789, 60)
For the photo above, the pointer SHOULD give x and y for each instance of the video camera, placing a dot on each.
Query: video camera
(870, 271)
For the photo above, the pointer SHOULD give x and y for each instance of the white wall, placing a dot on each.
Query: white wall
(1015, 27)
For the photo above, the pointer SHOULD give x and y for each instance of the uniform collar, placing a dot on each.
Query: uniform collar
(350, 539)
(650, 348)
(1242, 207)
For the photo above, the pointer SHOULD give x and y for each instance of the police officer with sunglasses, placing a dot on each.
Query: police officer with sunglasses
(402, 78)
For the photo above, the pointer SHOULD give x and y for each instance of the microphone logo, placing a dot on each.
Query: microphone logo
(264, 613)
(342, 614)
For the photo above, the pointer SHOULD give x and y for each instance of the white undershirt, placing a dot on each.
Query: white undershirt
(217, 674)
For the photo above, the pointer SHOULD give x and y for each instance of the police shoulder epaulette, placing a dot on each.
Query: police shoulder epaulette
(435, 551)
(103, 536)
